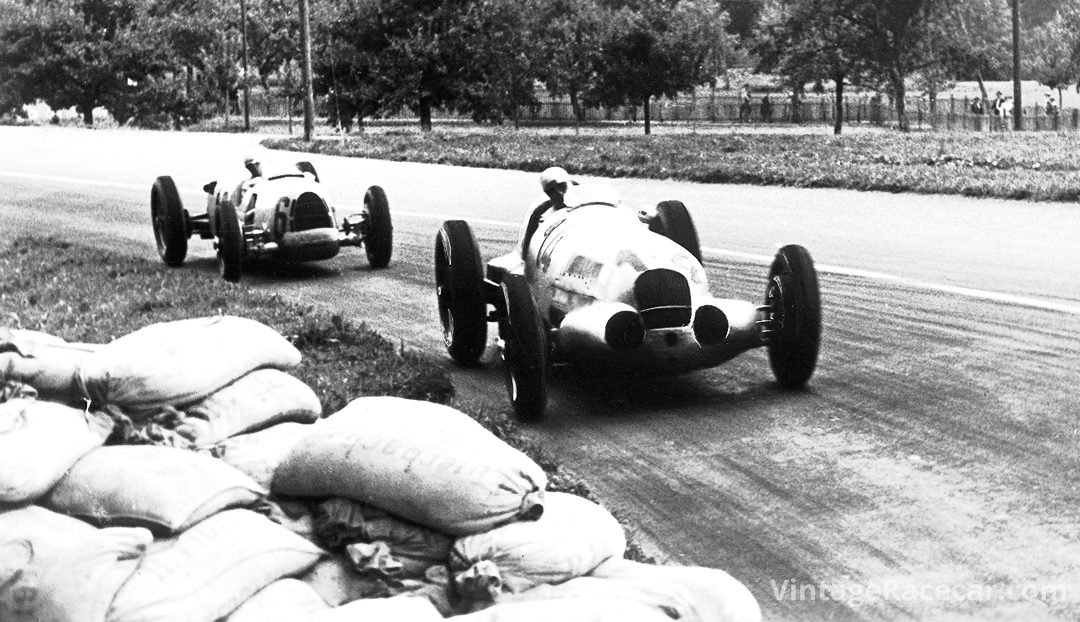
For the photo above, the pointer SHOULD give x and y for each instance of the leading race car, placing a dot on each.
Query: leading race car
(282, 214)
(602, 285)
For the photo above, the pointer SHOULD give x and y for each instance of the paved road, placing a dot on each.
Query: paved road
(929, 472)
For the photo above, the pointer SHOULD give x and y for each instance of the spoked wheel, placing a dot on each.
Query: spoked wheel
(230, 242)
(307, 167)
(378, 230)
(795, 302)
(673, 222)
(524, 350)
(459, 285)
(170, 222)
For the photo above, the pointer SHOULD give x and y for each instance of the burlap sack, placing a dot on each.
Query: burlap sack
(163, 489)
(208, 571)
(285, 600)
(699, 594)
(258, 454)
(39, 441)
(403, 608)
(55, 568)
(424, 462)
(577, 609)
(180, 363)
(573, 537)
(43, 361)
(260, 399)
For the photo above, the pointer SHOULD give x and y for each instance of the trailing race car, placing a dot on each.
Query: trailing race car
(600, 284)
(283, 214)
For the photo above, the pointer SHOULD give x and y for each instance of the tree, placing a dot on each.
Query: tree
(660, 49)
(387, 54)
(500, 73)
(570, 35)
(1054, 50)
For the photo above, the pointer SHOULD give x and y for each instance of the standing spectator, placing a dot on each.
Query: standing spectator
(977, 110)
(744, 103)
(766, 108)
(1051, 111)
(998, 108)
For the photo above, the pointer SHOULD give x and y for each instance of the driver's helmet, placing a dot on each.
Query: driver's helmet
(552, 177)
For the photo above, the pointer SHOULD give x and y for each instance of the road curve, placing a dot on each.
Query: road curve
(929, 472)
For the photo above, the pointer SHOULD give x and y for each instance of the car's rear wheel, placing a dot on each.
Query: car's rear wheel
(524, 350)
(673, 221)
(169, 221)
(459, 286)
(379, 231)
(794, 300)
(230, 242)
(307, 167)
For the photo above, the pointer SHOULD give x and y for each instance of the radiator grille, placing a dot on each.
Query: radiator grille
(663, 298)
(310, 212)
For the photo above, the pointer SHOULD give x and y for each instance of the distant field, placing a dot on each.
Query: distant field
(1042, 166)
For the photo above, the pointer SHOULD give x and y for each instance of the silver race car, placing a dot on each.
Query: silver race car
(602, 285)
(283, 214)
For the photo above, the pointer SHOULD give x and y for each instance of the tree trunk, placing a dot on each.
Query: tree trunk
(425, 114)
(899, 92)
(648, 118)
(87, 112)
(838, 126)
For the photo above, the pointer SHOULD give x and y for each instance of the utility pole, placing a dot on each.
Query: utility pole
(1018, 119)
(305, 70)
(247, 85)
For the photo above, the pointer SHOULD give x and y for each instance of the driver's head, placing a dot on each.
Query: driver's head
(554, 181)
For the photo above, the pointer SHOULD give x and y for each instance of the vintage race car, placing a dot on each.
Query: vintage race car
(602, 285)
(282, 214)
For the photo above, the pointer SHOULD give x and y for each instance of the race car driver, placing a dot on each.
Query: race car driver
(554, 181)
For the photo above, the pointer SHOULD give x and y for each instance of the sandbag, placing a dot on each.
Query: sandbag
(572, 538)
(258, 454)
(285, 600)
(39, 441)
(43, 361)
(55, 568)
(340, 522)
(403, 608)
(424, 462)
(163, 489)
(180, 363)
(706, 594)
(578, 609)
(257, 400)
(208, 571)
(337, 582)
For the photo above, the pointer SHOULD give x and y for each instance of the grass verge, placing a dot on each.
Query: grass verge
(1041, 166)
(88, 295)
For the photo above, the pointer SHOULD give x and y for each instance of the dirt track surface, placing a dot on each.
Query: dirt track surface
(930, 471)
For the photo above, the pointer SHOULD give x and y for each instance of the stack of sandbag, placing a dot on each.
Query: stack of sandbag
(43, 361)
(424, 462)
(180, 363)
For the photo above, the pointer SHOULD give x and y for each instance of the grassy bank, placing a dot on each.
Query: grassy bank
(1040, 166)
(88, 295)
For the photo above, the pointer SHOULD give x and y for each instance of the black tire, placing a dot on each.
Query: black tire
(795, 300)
(169, 220)
(307, 167)
(673, 222)
(379, 231)
(459, 286)
(524, 350)
(230, 242)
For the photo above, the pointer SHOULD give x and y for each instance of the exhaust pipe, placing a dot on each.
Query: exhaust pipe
(607, 326)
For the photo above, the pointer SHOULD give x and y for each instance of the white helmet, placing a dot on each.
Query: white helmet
(552, 177)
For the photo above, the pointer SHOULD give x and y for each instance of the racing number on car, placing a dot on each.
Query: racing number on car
(547, 246)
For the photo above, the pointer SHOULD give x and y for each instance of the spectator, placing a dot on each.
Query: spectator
(1051, 111)
(978, 110)
(744, 103)
(999, 110)
(766, 108)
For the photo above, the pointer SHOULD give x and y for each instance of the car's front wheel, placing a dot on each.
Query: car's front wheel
(379, 231)
(169, 221)
(459, 287)
(794, 301)
(230, 242)
(524, 350)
